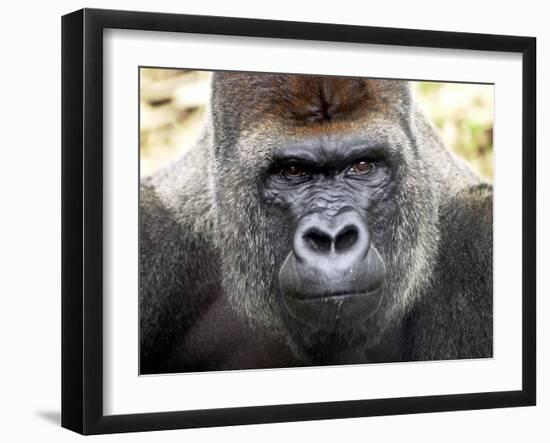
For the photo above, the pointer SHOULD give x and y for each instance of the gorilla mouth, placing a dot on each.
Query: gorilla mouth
(336, 311)
(318, 293)
(340, 295)
(325, 279)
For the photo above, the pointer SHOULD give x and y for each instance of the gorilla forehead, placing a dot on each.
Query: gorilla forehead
(306, 100)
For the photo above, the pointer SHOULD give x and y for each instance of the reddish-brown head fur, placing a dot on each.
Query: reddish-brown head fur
(314, 99)
(306, 102)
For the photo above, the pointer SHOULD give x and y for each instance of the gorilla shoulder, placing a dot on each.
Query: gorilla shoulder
(179, 277)
(454, 319)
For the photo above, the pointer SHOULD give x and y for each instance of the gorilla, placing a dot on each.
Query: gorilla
(318, 221)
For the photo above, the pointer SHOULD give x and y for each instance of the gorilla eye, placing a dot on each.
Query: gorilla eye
(292, 171)
(362, 166)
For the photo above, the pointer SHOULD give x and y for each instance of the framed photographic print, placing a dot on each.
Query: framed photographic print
(270, 221)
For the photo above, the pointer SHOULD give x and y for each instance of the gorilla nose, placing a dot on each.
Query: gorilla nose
(341, 239)
(323, 242)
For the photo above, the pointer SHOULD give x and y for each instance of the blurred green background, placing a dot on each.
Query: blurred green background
(463, 113)
(173, 103)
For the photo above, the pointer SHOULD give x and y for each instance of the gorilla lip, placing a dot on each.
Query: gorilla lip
(328, 309)
(340, 295)
(364, 278)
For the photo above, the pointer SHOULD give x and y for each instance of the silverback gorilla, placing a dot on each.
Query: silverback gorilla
(319, 220)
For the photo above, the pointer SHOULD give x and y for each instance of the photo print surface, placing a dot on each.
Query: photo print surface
(294, 220)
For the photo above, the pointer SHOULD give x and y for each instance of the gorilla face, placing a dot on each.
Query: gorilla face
(323, 187)
(325, 219)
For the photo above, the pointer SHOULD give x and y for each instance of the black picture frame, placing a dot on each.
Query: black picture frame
(82, 220)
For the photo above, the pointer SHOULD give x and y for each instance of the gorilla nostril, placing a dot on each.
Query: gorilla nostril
(346, 239)
(318, 241)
